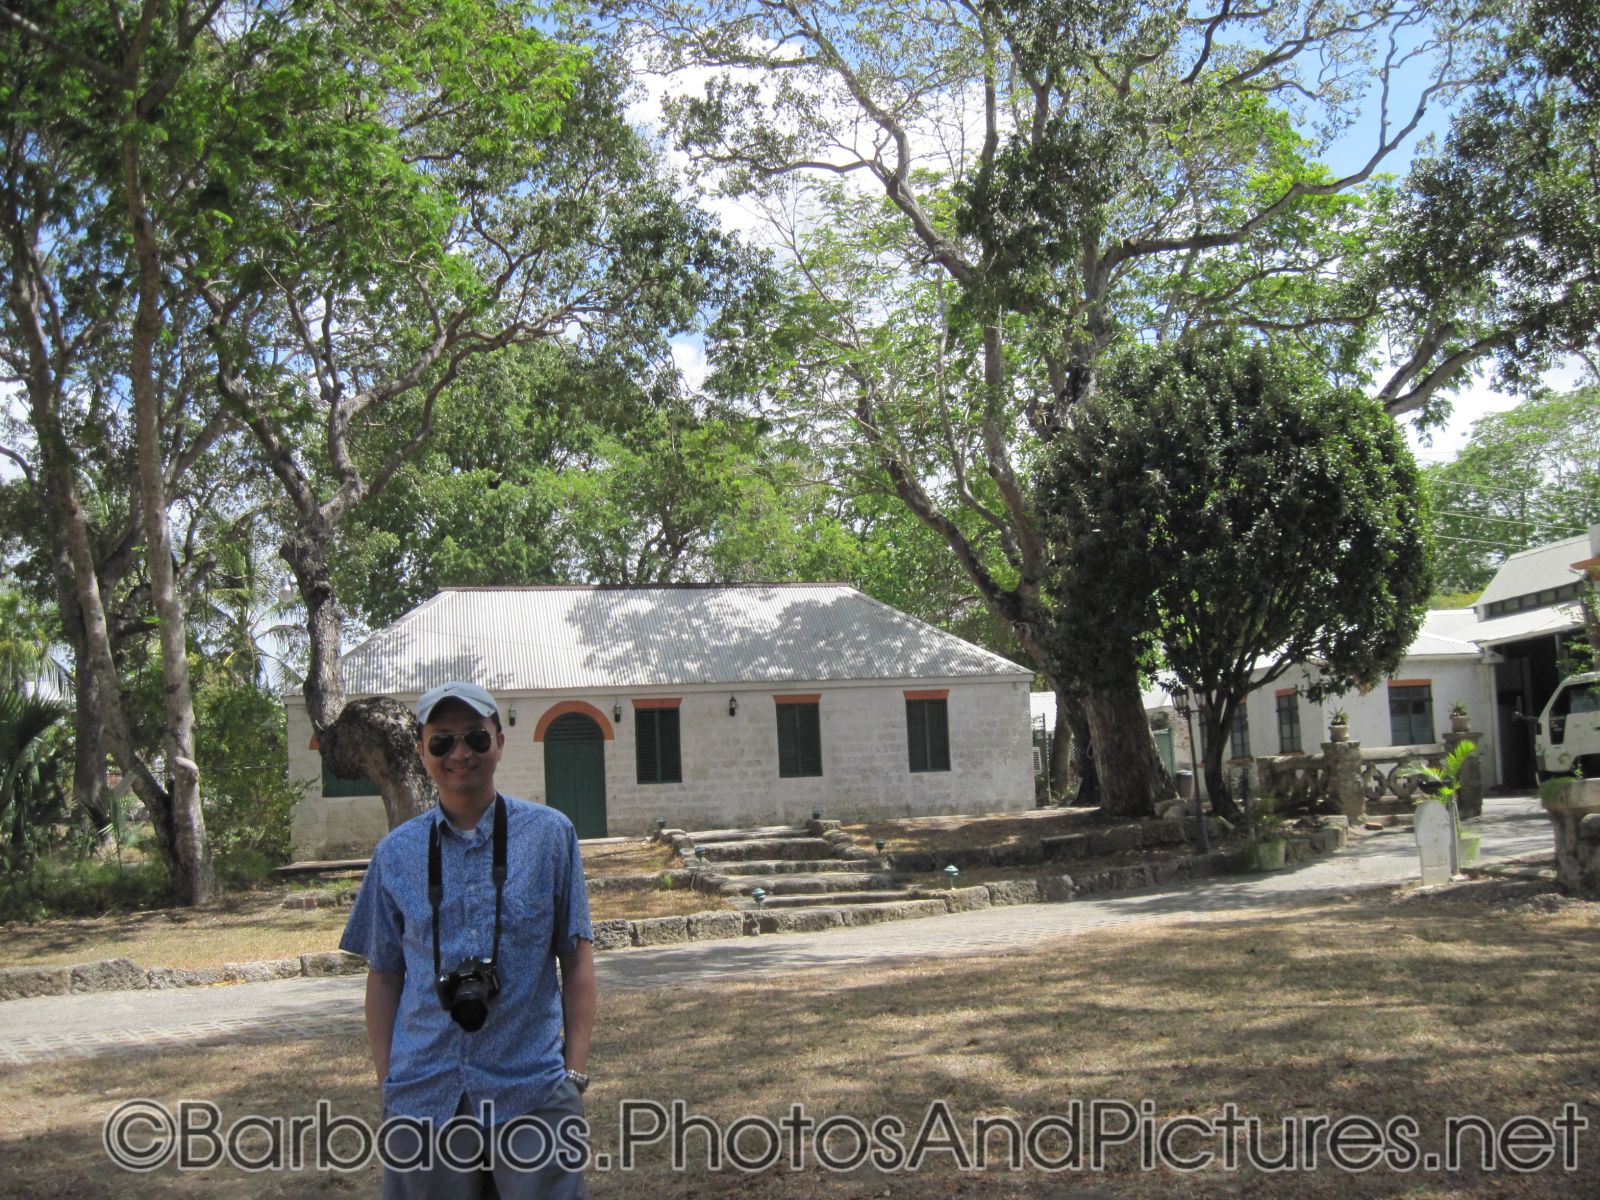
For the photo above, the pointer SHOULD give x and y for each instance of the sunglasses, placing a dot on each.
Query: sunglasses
(478, 741)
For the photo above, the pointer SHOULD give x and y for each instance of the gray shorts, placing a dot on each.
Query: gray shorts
(519, 1140)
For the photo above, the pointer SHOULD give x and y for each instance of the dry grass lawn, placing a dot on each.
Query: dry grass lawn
(252, 926)
(1426, 1008)
(245, 927)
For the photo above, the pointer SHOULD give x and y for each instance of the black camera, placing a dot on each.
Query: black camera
(466, 991)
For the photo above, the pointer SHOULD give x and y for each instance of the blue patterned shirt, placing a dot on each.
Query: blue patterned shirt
(516, 1059)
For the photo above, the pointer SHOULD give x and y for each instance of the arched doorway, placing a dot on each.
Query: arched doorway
(575, 772)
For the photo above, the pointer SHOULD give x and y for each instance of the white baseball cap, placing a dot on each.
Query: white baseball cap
(470, 694)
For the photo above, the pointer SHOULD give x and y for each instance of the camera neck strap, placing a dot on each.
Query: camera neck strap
(436, 878)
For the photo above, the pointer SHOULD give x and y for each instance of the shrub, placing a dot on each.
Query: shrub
(82, 889)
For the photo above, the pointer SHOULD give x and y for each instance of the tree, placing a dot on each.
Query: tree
(981, 203)
(173, 185)
(1223, 507)
(1490, 252)
(1529, 475)
(88, 99)
(521, 213)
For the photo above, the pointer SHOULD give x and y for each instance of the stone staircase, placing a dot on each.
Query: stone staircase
(811, 865)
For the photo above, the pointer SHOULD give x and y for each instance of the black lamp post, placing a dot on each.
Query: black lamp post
(1184, 704)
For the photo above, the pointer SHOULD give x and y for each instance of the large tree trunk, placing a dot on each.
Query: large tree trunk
(1132, 777)
(374, 738)
(1072, 730)
(77, 581)
(194, 880)
(1214, 722)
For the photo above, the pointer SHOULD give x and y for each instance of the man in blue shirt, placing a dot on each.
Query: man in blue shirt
(502, 1039)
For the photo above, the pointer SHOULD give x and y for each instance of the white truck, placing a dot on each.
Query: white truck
(1566, 737)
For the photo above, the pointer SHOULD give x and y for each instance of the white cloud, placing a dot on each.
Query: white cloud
(689, 356)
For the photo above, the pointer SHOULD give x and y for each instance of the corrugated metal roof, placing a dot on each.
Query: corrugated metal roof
(1533, 623)
(576, 638)
(1445, 633)
(1531, 571)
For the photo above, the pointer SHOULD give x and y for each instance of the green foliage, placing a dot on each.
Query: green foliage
(1221, 498)
(1264, 824)
(547, 467)
(1222, 503)
(248, 802)
(1529, 476)
(1493, 246)
(1447, 773)
(33, 790)
(82, 888)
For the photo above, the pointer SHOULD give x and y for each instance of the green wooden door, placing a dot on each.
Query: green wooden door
(1163, 739)
(575, 772)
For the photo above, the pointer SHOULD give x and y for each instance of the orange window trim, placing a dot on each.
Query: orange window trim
(1410, 683)
(658, 702)
(573, 706)
(929, 694)
(1285, 691)
(802, 698)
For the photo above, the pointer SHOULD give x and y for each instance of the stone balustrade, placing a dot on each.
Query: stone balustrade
(1347, 776)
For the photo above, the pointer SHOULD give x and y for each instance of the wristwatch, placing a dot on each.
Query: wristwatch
(579, 1079)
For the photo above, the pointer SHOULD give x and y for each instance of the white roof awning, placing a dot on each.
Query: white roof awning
(1533, 623)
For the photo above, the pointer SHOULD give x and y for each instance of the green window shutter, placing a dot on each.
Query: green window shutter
(647, 746)
(799, 740)
(938, 735)
(917, 734)
(656, 749)
(928, 734)
(671, 751)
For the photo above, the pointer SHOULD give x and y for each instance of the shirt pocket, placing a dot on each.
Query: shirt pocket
(527, 927)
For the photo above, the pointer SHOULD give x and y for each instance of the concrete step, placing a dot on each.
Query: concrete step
(790, 866)
(760, 833)
(806, 848)
(821, 898)
(810, 885)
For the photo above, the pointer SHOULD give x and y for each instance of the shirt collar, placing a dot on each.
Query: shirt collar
(480, 832)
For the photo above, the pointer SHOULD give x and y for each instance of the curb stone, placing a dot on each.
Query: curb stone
(121, 974)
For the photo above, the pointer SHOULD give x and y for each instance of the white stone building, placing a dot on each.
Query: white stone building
(703, 705)
(1500, 658)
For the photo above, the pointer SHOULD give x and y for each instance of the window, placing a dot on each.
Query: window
(1239, 735)
(928, 734)
(332, 785)
(657, 751)
(1289, 723)
(1411, 714)
(799, 739)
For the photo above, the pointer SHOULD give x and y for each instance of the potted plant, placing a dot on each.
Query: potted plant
(1442, 784)
(1268, 846)
(1339, 726)
(1460, 722)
